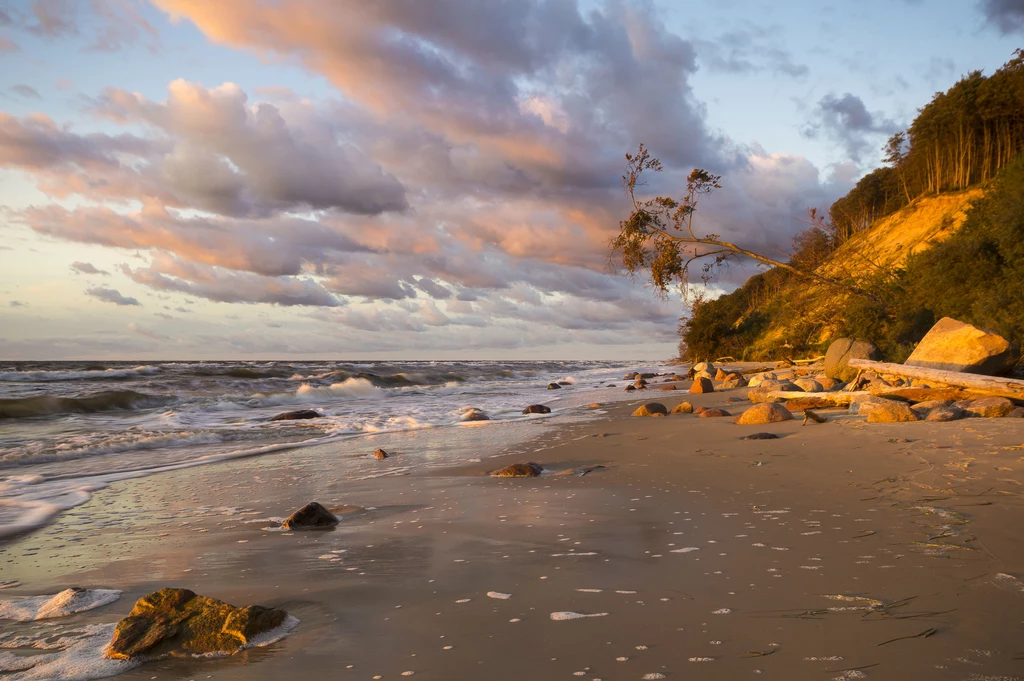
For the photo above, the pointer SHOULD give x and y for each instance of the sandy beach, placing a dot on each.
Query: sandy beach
(840, 550)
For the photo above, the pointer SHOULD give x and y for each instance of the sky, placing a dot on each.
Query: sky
(423, 179)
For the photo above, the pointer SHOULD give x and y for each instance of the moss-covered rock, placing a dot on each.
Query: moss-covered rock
(178, 622)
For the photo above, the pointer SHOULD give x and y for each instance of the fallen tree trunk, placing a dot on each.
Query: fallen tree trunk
(796, 400)
(990, 385)
(801, 400)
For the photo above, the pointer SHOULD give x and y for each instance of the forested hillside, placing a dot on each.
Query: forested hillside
(938, 231)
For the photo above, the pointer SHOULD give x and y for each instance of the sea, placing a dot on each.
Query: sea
(69, 429)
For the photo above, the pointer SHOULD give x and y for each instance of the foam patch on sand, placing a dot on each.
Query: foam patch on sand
(500, 596)
(67, 602)
(564, 615)
(78, 656)
(686, 549)
(1006, 581)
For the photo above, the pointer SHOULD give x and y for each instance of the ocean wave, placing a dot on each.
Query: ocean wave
(307, 393)
(95, 444)
(84, 375)
(43, 405)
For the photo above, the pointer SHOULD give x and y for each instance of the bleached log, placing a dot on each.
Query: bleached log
(990, 385)
(834, 399)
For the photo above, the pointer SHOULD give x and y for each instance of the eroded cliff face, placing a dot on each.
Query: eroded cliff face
(808, 314)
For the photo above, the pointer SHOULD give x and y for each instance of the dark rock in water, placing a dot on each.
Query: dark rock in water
(178, 622)
(554, 386)
(630, 388)
(296, 415)
(475, 415)
(519, 470)
(311, 516)
(648, 375)
(631, 375)
(589, 469)
(761, 436)
(537, 409)
(380, 455)
(565, 383)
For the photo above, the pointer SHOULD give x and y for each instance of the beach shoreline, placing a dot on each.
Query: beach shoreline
(714, 557)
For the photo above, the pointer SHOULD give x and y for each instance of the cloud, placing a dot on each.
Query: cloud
(1005, 15)
(26, 91)
(752, 49)
(213, 283)
(7, 45)
(460, 187)
(109, 295)
(121, 24)
(53, 18)
(235, 158)
(87, 268)
(17, 303)
(847, 121)
(144, 332)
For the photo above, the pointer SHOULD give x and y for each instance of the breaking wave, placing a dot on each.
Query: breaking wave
(43, 405)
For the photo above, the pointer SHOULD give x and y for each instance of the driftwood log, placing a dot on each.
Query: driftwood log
(989, 385)
(796, 400)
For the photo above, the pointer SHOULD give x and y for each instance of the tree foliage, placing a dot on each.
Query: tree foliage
(658, 237)
(963, 136)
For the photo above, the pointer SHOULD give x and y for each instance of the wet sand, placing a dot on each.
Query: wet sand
(840, 550)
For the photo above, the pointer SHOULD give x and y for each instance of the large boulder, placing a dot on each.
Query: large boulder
(955, 346)
(988, 407)
(650, 409)
(839, 354)
(702, 385)
(312, 516)
(297, 415)
(519, 470)
(766, 412)
(178, 622)
(891, 412)
(537, 409)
